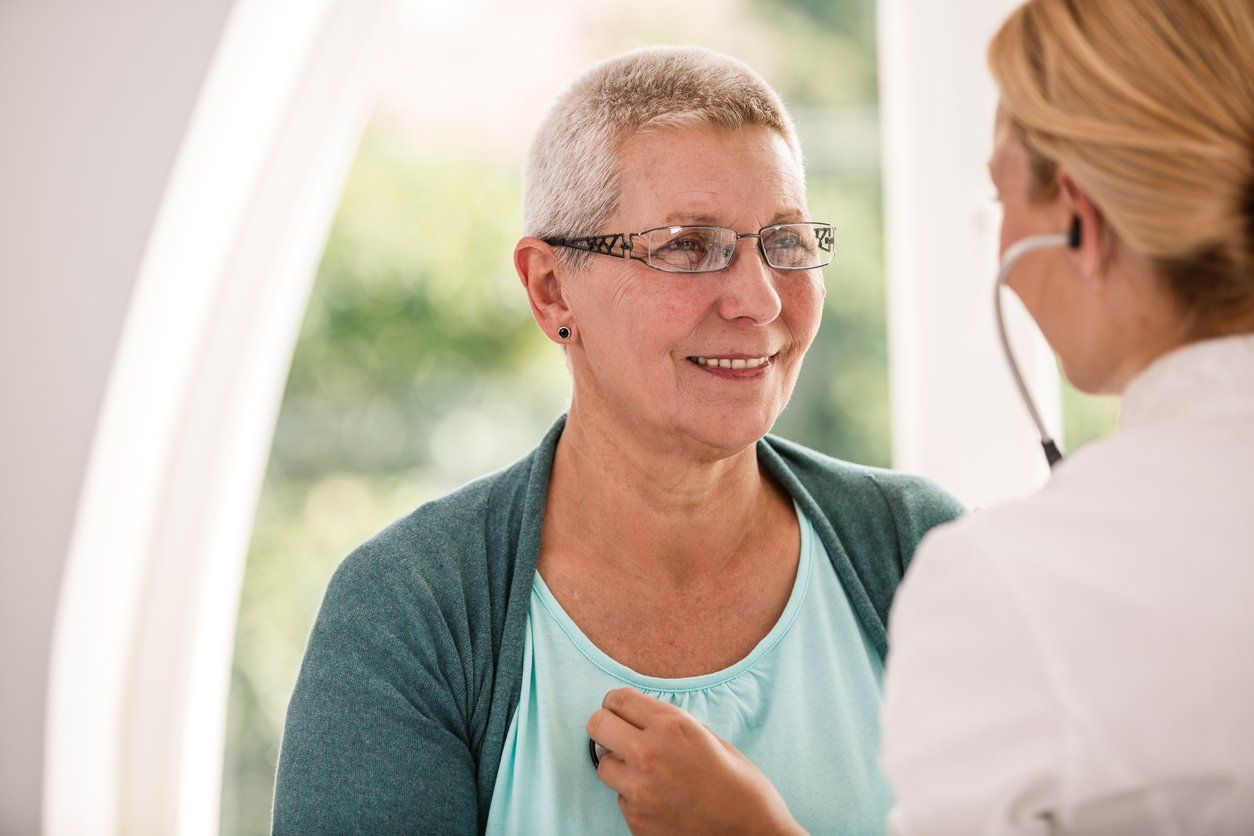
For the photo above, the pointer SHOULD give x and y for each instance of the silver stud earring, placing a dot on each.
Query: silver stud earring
(563, 333)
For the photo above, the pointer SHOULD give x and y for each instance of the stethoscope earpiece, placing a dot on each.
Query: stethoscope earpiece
(1073, 234)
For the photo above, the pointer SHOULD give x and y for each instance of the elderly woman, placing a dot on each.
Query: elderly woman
(657, 538)
(1078, 661)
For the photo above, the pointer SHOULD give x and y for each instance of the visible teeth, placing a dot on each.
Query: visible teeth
(724, 363)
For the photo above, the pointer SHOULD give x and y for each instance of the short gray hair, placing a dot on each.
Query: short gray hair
(571, 179)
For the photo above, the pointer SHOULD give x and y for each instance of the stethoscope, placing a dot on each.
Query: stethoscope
(1011, 257)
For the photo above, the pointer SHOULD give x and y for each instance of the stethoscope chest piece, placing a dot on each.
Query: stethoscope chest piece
(596, 751)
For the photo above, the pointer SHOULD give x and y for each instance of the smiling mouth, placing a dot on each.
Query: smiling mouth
(733, 363)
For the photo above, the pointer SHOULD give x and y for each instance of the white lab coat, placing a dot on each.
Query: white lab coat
(1082, 661)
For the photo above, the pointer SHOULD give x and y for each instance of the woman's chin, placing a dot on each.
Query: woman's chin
(734, 430)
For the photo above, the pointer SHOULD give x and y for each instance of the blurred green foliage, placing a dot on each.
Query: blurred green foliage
(418, 365)
(828, 47)
(1085, 417)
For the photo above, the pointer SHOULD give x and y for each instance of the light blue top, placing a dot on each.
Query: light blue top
(803, 706)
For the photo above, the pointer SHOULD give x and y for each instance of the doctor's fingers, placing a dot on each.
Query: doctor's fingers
(615, 734)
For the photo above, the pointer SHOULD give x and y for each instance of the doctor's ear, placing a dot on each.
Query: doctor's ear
(1087, 235)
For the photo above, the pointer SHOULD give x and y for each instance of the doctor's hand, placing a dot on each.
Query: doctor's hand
(673, 775)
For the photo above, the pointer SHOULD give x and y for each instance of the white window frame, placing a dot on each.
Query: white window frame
(142, 644)
(956, 416)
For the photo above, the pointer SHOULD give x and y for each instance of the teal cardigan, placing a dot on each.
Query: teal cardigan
(414, 665)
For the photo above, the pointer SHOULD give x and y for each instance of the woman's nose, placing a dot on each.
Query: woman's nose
(748, 286)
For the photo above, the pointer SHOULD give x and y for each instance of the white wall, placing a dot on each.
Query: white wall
(94, 100)
(169, 172)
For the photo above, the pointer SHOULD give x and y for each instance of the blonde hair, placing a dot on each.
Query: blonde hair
(1149, 105)
(571, 181)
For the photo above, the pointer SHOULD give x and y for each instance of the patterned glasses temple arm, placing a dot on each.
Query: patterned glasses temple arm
(602, 244)
(825, 237)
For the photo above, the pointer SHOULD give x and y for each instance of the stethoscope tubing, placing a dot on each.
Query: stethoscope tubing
(1009, 259)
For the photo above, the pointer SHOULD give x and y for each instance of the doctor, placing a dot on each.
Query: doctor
(1082, 660)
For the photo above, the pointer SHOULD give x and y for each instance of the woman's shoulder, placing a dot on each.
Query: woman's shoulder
(915, 503)
(400, 670)
(442, 547)
(869, 519)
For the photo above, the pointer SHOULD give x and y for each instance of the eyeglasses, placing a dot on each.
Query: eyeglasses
(708, 249)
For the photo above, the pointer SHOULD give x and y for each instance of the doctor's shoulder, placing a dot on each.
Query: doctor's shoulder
(1027, 543)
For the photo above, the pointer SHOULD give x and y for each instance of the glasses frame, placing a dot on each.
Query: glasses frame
(621, 244)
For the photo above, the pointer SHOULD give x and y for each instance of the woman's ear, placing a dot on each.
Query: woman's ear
(541, 273)
(1086, 228)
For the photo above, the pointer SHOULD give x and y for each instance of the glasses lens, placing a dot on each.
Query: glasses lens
(798, 246)
(690, 249)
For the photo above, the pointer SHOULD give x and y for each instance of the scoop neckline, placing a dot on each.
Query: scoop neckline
(657, 684)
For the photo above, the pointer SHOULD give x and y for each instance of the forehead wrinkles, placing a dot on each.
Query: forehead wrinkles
(757, 200)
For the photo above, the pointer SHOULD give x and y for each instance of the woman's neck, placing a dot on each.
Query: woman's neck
(667, 511)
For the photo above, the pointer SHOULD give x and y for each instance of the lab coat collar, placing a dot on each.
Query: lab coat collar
(1208, 378)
